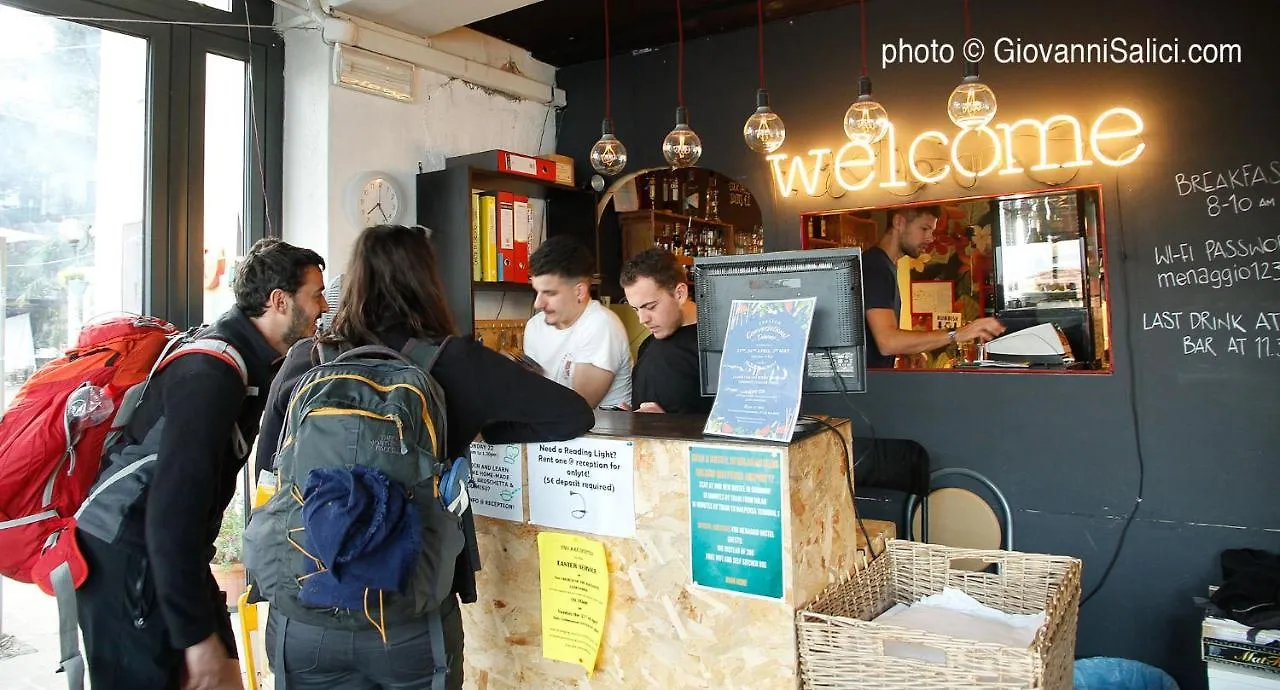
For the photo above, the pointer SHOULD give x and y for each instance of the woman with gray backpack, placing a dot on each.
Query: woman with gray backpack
(368, 544)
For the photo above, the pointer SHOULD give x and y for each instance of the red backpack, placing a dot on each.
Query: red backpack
(53, 435)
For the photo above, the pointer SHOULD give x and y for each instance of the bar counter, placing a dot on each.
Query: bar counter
(661, 629)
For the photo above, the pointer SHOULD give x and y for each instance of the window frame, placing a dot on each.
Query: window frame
(174, 214)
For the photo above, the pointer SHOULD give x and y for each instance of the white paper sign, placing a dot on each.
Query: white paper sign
(583, 485)
(497, 481)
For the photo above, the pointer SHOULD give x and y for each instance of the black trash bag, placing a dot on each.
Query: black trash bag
(1250, 589)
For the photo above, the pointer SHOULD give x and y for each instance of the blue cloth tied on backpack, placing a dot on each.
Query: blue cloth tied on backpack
(364, 530)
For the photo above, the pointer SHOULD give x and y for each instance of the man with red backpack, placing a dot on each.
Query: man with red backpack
(150, 611)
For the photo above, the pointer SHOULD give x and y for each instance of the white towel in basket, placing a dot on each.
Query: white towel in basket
(956, 614)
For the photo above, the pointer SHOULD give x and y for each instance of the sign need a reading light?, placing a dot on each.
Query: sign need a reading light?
(1114, 124)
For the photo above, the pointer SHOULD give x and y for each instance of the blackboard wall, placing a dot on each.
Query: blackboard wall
(1065, 450)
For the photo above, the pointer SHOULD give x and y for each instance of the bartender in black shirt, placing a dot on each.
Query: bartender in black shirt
(665, 377)
(909, 231)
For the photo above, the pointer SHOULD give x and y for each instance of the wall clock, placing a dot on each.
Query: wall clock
(378, 199)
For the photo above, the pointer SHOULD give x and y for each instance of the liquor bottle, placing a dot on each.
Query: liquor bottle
(713, 199)
(673, 186)
(652, 188)
(689, 197)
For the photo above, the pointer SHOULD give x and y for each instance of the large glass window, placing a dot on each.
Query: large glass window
(140, 145)
(73, 125)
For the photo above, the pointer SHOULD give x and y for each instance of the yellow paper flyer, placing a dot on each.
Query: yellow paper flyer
(575, 593)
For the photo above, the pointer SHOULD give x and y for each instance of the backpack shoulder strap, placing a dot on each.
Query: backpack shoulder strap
(423, 353)
(220, 349)
(226, 352)
(325, 351)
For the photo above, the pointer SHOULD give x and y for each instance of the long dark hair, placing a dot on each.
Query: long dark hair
(392, 285)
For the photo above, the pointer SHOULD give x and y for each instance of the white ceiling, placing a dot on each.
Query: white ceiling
(426, 17)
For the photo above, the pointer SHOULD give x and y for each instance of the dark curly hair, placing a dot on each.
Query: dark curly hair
(910, 213)
(562, 256)
(271, 264)
(659, 265)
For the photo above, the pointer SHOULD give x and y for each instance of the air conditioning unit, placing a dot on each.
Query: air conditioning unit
(366, 71)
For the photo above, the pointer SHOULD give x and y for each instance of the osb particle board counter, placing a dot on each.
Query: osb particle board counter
(662, 630)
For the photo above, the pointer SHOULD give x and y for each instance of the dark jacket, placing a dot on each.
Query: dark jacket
(485, 394)
(201, 399)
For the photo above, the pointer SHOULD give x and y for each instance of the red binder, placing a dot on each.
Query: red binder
(523, 226)
(530, 166)
(506, 237)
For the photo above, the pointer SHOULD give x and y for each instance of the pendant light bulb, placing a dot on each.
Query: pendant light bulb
(972, 104)
(866, 121)
(682, 148)
(764, 131)
(608, 156)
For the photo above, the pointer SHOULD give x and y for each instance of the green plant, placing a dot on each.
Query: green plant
(227, 545)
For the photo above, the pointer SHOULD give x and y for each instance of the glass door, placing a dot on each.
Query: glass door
(225, 210)
(73, 184)
(226, 179)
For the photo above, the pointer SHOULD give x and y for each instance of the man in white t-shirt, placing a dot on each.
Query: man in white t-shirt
(578, 342)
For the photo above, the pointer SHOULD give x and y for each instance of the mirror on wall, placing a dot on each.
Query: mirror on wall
(1027, 259)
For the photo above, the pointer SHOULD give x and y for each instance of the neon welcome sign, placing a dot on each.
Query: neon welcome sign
(855, 166)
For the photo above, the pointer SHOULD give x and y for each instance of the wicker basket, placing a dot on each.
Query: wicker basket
(841, 648)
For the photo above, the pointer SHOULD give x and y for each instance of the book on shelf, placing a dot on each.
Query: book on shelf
(477, 238)
(488, 235)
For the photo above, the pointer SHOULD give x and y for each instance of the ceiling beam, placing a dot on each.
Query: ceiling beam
(426, 18)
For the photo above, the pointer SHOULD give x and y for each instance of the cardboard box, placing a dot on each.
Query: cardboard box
(564, 168)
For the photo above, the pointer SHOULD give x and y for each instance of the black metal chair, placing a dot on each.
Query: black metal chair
(896, 464)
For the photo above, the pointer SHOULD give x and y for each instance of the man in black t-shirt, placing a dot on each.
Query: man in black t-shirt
(665, 377)
(909, 231)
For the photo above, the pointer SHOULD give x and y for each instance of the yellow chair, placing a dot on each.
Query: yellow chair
(249, 623)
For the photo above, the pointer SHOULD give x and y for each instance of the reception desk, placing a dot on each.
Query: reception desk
(663, 630)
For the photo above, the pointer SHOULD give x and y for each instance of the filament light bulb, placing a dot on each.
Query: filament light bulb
(682, 148)
(608, 156)
(972, 104)
(764, 131)
(866, 121)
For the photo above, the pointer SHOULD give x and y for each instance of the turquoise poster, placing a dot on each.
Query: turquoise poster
(735, 519)
(762, 370)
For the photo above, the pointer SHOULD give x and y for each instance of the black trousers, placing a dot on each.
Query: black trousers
(125, 636)
(317, 658)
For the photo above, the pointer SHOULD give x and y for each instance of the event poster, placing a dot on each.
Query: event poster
(762, 370)
(735, 519)
(574, 581)
(497, 480)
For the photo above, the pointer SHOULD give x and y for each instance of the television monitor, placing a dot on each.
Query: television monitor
(837, 336)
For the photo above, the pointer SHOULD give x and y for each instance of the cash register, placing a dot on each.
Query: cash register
(1041, 345)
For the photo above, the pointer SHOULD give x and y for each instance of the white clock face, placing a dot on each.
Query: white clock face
(379, 202)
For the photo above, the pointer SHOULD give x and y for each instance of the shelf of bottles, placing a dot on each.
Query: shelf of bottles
(680, 211)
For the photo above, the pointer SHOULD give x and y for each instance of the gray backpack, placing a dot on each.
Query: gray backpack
(374, 411)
